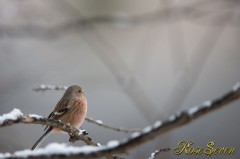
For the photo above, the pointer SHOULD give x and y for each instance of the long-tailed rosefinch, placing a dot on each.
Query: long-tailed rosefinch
(71, 108)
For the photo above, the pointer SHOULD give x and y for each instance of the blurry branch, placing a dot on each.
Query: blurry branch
(119, 69)
(178, 56)
(176, 36)
(152, 131)
(44, 87)
(74, 133)
(192, 11)
(157, 152)
(192, 71)
(100, 123)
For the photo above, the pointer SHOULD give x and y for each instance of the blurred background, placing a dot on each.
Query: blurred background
(138, 61)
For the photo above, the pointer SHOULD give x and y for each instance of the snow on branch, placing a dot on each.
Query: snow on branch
(13, 115)
(146, 134)
(16, 116)
(44, 87)
(51, 149)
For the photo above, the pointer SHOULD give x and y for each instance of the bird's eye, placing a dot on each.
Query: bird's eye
(79, 91)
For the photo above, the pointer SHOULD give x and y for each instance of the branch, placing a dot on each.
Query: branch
(44, 87)
(148, 133)
(16, 117)
(193, 12)
(100, 123)
(157, 152)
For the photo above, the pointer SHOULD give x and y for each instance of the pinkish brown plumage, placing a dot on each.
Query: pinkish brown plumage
(77, 114)
(71, 108)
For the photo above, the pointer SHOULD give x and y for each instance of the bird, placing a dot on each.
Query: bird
(71, 108)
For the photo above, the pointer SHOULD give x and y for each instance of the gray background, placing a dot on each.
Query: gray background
(138, 62)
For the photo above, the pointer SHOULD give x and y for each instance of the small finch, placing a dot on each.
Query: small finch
(71, 108)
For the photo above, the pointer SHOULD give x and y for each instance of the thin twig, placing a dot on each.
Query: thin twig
(157, 152)
(100, 123)
(150, 132)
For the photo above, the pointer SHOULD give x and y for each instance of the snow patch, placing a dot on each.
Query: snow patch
(157, 124)
(51, 87)
(207, 103)
(54, 148)
(147, 129)
(13, 115)
(5, 155)
(154, 153)
(43, 86)
(172, 117)
(82, 132)
(193, 110)
(112, 143)
(236, 87)
(99, 121)
(35, 116)
(135, 134)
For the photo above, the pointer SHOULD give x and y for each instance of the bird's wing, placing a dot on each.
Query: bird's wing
(61, 109)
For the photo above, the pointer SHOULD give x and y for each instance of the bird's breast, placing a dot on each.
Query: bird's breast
(80, 113)
(76, 114)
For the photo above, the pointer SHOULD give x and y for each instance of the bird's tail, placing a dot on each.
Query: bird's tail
(42, 138)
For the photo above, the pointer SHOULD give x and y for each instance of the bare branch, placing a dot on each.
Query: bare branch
(150, 132)
(100, 123)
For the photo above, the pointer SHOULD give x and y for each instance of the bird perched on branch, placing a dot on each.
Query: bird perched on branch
(71, 108)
